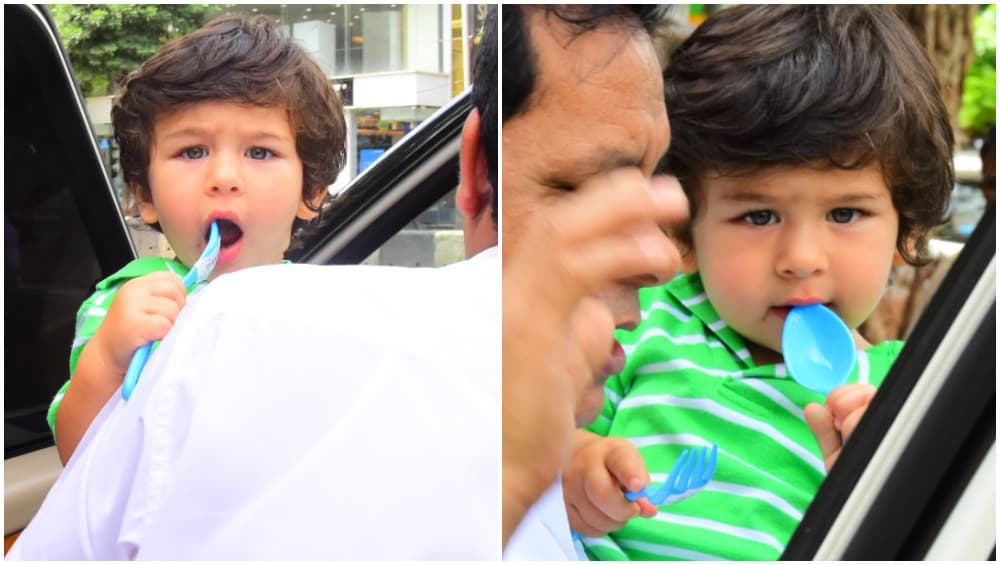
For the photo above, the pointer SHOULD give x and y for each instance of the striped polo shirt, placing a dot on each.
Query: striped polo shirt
(689, 381)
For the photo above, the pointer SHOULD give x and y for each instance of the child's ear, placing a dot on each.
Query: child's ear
(146, 209)
(304, 212)
(910, 243)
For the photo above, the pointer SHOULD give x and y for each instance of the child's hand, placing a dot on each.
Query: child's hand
(834, 423)
(144, 310)
(601, 469)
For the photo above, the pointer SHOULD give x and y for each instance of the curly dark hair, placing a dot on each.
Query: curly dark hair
(844, 86)
(240, 59)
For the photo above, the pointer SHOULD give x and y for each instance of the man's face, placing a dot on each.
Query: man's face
(597, 105)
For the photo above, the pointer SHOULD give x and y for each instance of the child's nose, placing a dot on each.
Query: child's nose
(225, 177)
(802, 253)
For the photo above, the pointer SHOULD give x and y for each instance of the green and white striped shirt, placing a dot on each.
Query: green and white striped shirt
(689, 381)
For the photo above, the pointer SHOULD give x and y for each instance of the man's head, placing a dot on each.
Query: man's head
(478, 192)
(240, 60)
(583, 103)
(837, 86)
(582, 97)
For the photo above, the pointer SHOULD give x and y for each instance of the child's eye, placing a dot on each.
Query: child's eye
(760, 217)
(259, 153)
(844, 215)
(193, 152)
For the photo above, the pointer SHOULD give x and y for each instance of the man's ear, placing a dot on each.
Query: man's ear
(304, 212)
(146, 209)
(473, 197)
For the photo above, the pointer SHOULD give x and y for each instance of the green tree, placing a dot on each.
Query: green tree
(107, 41)
(979, 96)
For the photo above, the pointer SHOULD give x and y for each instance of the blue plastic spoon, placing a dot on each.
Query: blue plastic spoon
(818, 348)
(199, 272)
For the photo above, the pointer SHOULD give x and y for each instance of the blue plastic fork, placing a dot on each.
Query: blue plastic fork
(686, 476)
(690, 472)
(199, 272)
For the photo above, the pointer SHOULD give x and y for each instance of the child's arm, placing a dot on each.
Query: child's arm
(593, 483)
(834, 423)
(143, 311)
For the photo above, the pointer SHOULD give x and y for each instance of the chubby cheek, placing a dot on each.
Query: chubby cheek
(865, 282)
(732, 279)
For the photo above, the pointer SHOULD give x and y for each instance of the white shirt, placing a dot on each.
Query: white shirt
(300, 412)
(543, 534)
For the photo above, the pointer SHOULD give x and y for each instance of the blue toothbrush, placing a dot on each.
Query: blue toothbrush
(199, 272)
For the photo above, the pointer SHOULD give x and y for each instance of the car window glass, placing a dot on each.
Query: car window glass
(433, 239)
(50, 261)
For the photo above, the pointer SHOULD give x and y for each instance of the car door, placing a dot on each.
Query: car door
(64, 232)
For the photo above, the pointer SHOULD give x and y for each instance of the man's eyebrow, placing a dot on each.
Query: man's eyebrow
(597, 161)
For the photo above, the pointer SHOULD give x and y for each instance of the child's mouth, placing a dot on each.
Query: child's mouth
(782, 311)
(229, 232)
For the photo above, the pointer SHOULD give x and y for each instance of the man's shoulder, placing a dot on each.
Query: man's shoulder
(346, 294)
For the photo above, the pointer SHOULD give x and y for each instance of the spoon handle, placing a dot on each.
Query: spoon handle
(198, 272)
(134, 369)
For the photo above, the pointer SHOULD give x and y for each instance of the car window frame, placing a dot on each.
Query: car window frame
(410, 177)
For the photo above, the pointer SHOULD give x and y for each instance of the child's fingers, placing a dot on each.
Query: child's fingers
(626, 465)
(162, 306)
(820, 421)
(597, 523)
(584, 519)
(646, 508)
(846, 399)
(155, 284)
(851, 422)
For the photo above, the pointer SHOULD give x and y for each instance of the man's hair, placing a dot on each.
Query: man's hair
(484, 98)
(237, 59)
(844, 86)
(520, 62)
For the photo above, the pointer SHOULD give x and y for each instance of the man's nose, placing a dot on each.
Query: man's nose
(226, 175)
(802, 252)
(626, 311)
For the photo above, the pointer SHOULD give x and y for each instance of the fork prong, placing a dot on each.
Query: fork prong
(698, 466)
(684, 474)
(661, 494)
(710, 467)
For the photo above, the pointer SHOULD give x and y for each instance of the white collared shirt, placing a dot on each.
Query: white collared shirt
(300, 412)
(543, 534)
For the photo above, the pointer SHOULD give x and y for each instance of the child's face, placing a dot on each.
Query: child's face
(793, 235)
(221, 160)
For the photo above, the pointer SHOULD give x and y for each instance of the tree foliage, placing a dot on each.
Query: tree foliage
(979, 94)
(105, 42)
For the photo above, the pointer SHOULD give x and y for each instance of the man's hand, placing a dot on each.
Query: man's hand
(557, 338)
(834, 423)
(600, 470)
